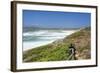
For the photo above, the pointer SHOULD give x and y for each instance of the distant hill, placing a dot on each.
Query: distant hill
(58, 50)
(33, 28)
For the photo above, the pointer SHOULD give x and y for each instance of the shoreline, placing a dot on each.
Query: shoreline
(31, 45)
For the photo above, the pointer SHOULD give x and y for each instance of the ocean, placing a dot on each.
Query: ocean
(36, 38)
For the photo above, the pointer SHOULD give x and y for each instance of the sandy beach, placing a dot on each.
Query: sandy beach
(43, 37)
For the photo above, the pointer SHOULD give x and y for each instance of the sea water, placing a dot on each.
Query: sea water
(33, 39)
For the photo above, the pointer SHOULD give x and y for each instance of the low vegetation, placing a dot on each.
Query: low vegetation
(58, 50)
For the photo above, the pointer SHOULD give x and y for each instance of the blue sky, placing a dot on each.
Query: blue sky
(55, 19)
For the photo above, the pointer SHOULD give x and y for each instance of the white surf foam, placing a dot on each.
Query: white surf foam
(46, 37)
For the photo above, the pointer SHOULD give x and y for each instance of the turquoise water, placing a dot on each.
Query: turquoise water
(32, 39)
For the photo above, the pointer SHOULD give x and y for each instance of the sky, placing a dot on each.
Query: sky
(55, 19)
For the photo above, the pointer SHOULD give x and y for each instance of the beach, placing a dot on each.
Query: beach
(33, 39)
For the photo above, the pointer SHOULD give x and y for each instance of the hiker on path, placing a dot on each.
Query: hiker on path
(72, 52)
